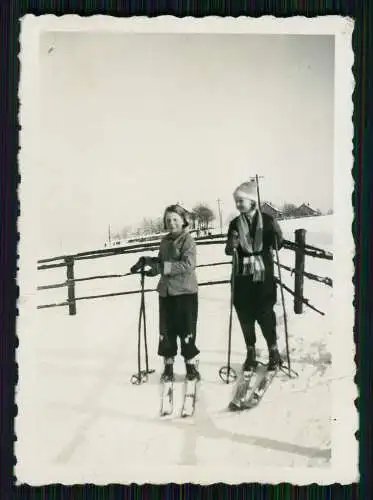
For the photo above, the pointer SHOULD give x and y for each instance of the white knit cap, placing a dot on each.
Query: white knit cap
(246, 190)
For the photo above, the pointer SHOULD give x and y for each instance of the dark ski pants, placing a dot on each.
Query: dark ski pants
(251, 309)
(178, 318)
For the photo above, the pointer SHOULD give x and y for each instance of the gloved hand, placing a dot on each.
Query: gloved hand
(140, 264)
(151, 272)
(235, 239)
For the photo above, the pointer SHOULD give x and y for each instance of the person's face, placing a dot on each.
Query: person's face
(174, 223)
(245, 205)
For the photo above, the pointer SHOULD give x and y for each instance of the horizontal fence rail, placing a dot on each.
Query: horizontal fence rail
(299, 246)
(129, 292)
(108, 252)
(310, 250)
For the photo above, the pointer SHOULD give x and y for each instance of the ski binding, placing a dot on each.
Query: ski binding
(190, 397)
(167, 401)
(244, 385)
(257, 395)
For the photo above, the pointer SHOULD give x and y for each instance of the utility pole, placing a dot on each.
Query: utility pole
(220, 216)
(109, 235)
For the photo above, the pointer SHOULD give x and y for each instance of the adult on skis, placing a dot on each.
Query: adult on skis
(178, 292)
(252, 235)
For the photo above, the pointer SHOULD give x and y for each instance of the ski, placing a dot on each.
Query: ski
(244, 385)
(256, 396)
(190, 397)
(167, 398)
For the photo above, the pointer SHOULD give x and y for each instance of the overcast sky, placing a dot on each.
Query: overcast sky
(131, 123)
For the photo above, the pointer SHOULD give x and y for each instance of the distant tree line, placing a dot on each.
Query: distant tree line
(200, 219)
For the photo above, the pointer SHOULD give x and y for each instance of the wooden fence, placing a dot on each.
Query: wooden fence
(299, 246)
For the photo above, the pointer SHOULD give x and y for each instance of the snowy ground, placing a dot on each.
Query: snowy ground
(81, 414)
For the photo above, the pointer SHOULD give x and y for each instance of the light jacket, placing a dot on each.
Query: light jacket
(176, 262)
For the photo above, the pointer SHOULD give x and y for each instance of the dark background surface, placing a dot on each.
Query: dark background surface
(361, 11)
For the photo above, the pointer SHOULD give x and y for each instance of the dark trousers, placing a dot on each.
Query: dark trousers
(252, 305)
(178, 318)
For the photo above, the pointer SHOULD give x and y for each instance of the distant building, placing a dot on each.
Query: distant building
(269, 209)
(306, 211)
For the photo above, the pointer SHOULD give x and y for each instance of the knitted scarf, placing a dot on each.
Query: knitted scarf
(252, 262)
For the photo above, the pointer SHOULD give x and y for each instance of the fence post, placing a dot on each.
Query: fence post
(300, 241)
(70, 285)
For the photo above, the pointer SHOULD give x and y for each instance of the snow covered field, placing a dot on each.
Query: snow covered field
(83, 421)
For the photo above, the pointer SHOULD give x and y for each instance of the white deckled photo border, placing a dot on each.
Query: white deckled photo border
(344, 463)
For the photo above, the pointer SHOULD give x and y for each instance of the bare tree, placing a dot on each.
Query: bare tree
(204, 215)
(149, 226)
(289, 209)
(193, 220)
(146, 226)
(125, 232)
(158, 225)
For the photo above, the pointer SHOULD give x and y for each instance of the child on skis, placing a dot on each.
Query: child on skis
(252, 235)
(178, 292)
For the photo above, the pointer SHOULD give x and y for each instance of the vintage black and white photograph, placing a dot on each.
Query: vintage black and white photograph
(186, 256)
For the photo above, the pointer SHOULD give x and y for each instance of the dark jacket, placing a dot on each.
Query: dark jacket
(176, 262)
(271, 230)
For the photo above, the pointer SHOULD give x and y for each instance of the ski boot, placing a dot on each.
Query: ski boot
(275, 360)
(192, 372)
(168, 372)
(250, 363)
(167, 384)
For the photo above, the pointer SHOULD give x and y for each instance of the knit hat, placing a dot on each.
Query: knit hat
(246, 190)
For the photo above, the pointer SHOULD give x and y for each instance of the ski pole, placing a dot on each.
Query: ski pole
(258, 193)
(226, 373)
(144, 320)
(283, 305)
(142, 375)
(144, 323)
(282, 291)
(139, 378)
(231, 311)
(284, 311)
